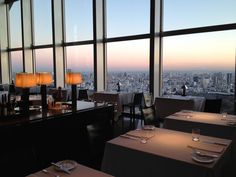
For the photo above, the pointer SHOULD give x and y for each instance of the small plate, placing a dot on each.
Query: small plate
(66, 164)
(148, 127)
(202, 159)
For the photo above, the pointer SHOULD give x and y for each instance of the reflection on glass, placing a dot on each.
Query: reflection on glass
(80, 59)
(42, 22)
(16, 63)
(128, 17)
(128, 64)
(78, 20)
(15, 25)
(182, 14)
(44, 60)
(204, 62)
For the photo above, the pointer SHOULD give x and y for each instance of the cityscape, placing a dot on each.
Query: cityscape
(210, 84)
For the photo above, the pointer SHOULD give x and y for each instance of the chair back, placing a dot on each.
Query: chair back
(149, 117)
(213, 105)
(167, 106)
(139, 100)
(83, 94)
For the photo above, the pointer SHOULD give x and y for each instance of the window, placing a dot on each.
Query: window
(78, 20)
(80, 59)
(15, 25)
(128, 17)
(42, 22)
(16, 63)
(181, 14)
(44, 60)
(128, 63)
(204, 61)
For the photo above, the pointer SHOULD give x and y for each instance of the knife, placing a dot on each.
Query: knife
(61, 168)
(216, 142)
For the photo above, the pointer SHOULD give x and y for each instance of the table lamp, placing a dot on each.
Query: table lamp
(44, 79)
(73, 79)
(25, 81)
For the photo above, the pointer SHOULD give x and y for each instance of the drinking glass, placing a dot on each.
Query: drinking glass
(196, 134)
(224, 114)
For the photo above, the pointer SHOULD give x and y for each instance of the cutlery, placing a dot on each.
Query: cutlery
(205, 154)
(142, 140)
(215, 142)
(61, 168)
(49, 172)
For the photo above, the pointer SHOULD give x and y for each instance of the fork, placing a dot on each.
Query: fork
(51, 173)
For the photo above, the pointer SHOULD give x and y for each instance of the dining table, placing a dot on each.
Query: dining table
(165, 153)
(79, 171)
(210, 124)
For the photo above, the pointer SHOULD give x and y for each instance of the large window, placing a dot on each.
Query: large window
(205, 62)
(78, 20)
(128, 64)
(42, 22)
(128, 17)
(44, 60)
(80, 59)
(181, 14)
(15, 25)
(16, 63)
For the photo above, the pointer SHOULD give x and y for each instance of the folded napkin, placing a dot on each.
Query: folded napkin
(207, 147)
(141, 134)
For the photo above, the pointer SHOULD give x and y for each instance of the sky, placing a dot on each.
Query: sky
(206, 51)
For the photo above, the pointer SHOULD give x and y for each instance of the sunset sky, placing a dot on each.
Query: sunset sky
(205, 51)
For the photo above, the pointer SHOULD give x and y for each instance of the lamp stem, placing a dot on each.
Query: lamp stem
(74, 97)
(25, 101)
(44, 96)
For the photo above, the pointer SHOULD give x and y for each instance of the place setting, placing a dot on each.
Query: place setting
(205, 151)
(142, 135)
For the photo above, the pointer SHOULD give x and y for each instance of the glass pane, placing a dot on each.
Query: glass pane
(204, 62)
(128, 64)
(44, 60)
(42, 22)
(78, 20)
(180, 14)
(128, 17)
(16, 63)
(80, 59)
(15, 25)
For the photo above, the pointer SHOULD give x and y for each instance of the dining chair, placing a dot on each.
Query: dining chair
(133, 109)
(213, 105)
(83, 94)
(149, 117)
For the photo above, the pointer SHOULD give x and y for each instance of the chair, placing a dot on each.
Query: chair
(148, 114)
(213, 105)
(133, 109)
(167, 106)
(83, 94)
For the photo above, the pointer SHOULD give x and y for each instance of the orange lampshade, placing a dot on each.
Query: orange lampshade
(44, 78)
(25, 80)
(74, 78)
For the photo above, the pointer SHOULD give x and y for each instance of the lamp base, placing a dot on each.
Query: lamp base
(24, 107)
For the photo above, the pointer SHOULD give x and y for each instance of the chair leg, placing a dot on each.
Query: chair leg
(133, 118)
(130, 120)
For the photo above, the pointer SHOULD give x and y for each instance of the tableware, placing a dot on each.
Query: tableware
(215, 142)
(49, 172)
(202, 159)
(148, 127)
(142, 140)
(203, 154)
(224, 114)
(196, 134)
(65, 165)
